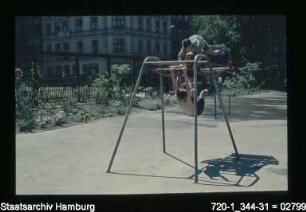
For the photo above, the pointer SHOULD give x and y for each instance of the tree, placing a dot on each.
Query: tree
(256, 39)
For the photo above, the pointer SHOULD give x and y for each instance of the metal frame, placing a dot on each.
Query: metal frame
(215, 113)
(195, 62)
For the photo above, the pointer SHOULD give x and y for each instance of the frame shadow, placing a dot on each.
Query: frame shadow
(228, 171)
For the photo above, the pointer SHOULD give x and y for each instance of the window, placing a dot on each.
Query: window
(30, 40)
(48, 28)
(58, 71)
(119, 45)
(165, 48)
(66, 71)
(37, 39)
(57, 27)
(157, 26)
(65, 26)
(149, 25)
(66, 47)
(49, 70)
(149, 50)
(118, 22)
(157, 48)
(58, 47)
(79, 25)
(48, 47)
(95, 46)
(80, 46)
(140, 23)
(94, 23)
(91, 71)
(165, 27)
(140, 46)
(74, 70)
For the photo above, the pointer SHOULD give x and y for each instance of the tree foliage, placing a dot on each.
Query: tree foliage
(110, 88)
(252, 39)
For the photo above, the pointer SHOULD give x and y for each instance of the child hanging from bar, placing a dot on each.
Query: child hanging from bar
(186, 95)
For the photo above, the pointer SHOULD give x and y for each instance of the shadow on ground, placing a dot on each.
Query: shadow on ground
(228, 171)
(231, 171)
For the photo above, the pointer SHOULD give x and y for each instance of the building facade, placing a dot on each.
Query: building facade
(102, 41)
(28, 32)
(66, 46)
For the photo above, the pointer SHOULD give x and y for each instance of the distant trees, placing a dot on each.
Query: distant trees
(260, 39)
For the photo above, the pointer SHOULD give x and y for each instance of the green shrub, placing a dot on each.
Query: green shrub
(59, 118)
(103, 90)
(152, 92)
(150, 104)
(106, 89)
(121, 110)
(81, 116)
(70, 104)
(169, 100)
(48, 114)
(81, 93)
(27, 124)
(244, 79)
(24, 109)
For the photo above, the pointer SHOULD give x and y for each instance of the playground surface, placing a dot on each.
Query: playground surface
(74, 160)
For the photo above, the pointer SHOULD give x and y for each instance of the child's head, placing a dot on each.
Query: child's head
(186, 43)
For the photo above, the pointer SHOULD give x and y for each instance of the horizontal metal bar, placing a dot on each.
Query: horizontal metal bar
(173, 62)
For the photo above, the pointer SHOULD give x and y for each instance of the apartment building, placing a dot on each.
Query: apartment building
(101, 41)
(28, 41)
(91, 44)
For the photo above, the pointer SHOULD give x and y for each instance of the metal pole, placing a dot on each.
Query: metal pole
(162, 110)
(215, 104)
(223, 111)
(128, 110)
(195, 77)
(173, 62)
(229, 104)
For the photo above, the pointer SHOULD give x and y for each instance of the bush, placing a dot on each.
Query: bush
(103, 90)
(70, 104)
(27, 124)
(59, 118)
(150, 104)
(169, 100)
(81, 93)
(244, 79)
(81, 116)
(24, 109)
(106, 89)
(48, 114)
(152, 92)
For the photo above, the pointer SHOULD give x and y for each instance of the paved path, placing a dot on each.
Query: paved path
(74, 160)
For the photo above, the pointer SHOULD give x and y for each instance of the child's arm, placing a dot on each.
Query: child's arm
(187, 81)
(174, 81)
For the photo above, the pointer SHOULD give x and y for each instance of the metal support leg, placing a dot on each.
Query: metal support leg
(162, 110)
(223, 111)
(195, 75)
(128, 111)
(229, 105)
(215, 104)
